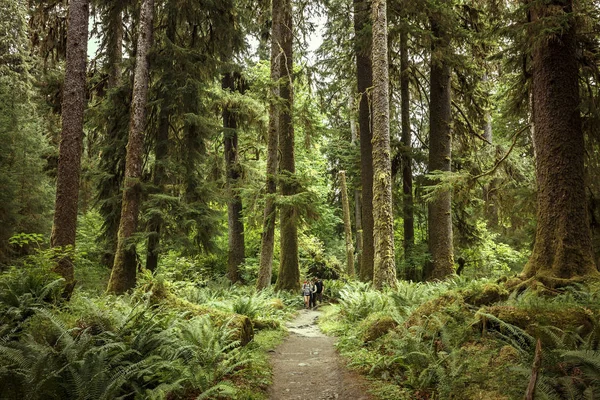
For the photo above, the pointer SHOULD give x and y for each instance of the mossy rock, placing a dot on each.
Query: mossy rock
(531, 319)
(243, 325)
(375, 326)
(487, 294)
(261, 324)
(421, 315)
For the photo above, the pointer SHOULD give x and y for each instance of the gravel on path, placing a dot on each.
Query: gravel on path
(307, 367)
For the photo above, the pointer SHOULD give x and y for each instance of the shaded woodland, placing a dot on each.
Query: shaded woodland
(171, 170)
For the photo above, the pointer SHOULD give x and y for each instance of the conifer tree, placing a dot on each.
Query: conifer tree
(563, 247)
(384, 273)
(123, 275)
(364, 77)
(268, 233)
(347, 225)
(407, 183)
(289, 272)
(236, 249)
(69, 161)
(440, 150)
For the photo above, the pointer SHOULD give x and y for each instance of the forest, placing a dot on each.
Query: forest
(172, 171)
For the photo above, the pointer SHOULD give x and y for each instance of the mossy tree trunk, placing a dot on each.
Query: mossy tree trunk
(71, 138)
(289, 271)
(357, 193)
(384, 273)
(364, 77)
(347, 224)
(267, 243)
(563, 247)
(407, 181)
(123, 275)
(236, 251)
(440, 150)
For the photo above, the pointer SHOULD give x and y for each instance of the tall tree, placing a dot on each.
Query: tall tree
(236, 250)
(123, 275)
(440, 149)
(384, 273)
(69, 158)
(357, 192)
(161, 142)
(289, 271)
(407, 182)
(364, 78)
(563, 248)
(347, 224)
(270, 213)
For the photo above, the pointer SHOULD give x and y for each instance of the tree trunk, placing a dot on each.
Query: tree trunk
(161, 150)
(407, 203)
(357, 193)
(236, 251)
(115, 45)
(563, 247)
(160, 153)
(289, 271)
(347, 225)
(123, 276)
(385, 266)
(364, 77)
(112, 163)
(270, 214)
(440, 147)
(71, 139)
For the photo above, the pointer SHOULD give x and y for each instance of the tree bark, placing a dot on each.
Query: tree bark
(407, 203)
(123, 275)
(236, 251)
(115, 45)
(289, 271)
(440, 150)
(563, 247)
(71, 140)
(161, 151)
(357, 193)
(347, 225)
(385, 265)
(265, 271)
(364, 77)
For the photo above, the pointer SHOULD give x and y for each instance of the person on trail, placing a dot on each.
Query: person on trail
(313, 294)
(307, 292)
(319, 288)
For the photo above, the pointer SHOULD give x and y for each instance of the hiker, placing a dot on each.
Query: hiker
(313, 294)
(319, 288)
(307, 292)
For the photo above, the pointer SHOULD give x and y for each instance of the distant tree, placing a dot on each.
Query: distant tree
(440, 151)
(69, 158)
(289, 271)
(268, 233)
(123, 276)
(347, 225)
(385, 266)
(563, 249)
(364, 76)
(236, 249)
(407, 180)
(27, 195)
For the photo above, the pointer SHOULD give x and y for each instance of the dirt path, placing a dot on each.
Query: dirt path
(306, 366)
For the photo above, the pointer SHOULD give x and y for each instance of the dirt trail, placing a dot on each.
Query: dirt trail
(306, 366)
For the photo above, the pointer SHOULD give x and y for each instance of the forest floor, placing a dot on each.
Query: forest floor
(306, 366)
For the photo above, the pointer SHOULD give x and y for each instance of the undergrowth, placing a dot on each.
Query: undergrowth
(168, 339)
(462, 339)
